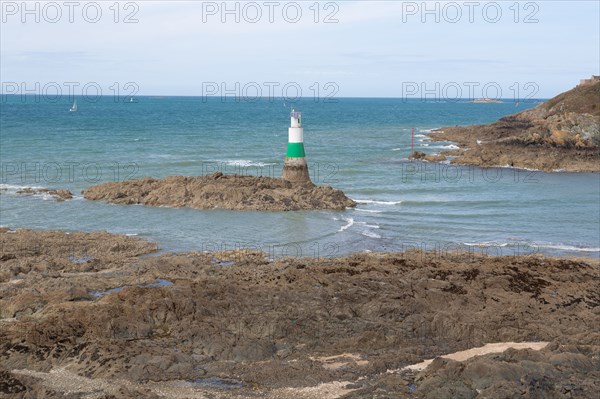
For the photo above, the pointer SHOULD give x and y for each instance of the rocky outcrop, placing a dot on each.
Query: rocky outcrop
(83, 315)
(560, 134)
(222, 191)
(428, 157)
(58, 195)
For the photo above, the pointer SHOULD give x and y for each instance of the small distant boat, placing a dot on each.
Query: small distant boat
(131, 100)
(73, 107)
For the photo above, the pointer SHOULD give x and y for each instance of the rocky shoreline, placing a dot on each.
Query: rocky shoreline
(98, 315)
(219, 191)
(55, 194)
(561, 134)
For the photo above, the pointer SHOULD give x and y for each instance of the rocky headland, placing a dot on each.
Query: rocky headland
(561, 134)
(219, 191)
(97, 315)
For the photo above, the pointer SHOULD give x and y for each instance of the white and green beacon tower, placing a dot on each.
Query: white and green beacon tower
(295, 168)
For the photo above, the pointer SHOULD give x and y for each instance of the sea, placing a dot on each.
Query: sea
(358, 145)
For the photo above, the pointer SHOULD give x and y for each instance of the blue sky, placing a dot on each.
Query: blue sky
(375, 49)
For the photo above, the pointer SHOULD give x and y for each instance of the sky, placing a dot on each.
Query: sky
(467, 49)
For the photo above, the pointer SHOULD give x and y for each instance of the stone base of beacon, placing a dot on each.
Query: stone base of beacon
(296, 170)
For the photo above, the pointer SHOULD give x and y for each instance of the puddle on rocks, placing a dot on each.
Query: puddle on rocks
(80, 259)
(221, 262)
(158, 283)
(99, 294)
(215, 383)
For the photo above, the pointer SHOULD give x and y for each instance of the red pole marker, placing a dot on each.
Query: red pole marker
(412, 145)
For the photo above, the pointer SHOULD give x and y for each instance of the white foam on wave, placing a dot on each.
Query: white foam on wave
(451, 147)
(12, 189)
(514, 167)
(560, 247)
(369, 201)
(368, 210)
(567, 247)
(350, 222)
(371, 226)
(486, 244)
(370, 234)
(396, 149)
(245, 163)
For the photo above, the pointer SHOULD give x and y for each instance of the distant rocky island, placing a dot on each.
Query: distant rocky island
(219, 191)
(486, 100)
(561, 134)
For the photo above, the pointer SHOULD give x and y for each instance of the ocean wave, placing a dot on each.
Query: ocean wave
(485, 244)
(522, 168)
(371, 226)
(566, 247)
(560, 247)
(396, 149)
(350, 222)
(367, 210)
(14, 190)
(450, 147)
(244, 163)
(370, 234)
(369, 201)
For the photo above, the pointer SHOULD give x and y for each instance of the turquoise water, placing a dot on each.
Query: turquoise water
(357, 145)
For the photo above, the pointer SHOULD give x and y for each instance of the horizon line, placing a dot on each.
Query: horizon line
(251, 99)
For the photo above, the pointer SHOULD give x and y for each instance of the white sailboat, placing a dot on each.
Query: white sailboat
(73, 107)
